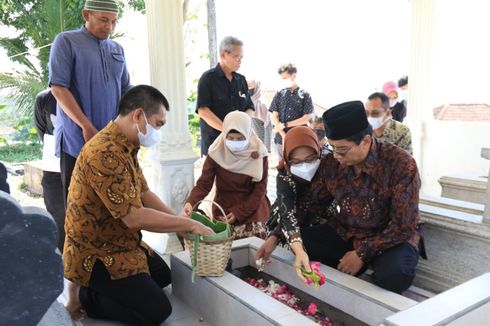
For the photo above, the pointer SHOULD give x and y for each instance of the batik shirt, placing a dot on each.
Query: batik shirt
(106, 185)
(294, 209)
(398, 134)
(379, 208)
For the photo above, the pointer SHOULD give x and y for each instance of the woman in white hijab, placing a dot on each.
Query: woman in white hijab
(237, 162)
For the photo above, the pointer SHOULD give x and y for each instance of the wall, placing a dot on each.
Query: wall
(453, 147)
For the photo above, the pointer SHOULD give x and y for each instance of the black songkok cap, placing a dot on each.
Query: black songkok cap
(345, 120)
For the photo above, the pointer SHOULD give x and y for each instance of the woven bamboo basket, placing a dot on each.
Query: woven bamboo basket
(209, 257)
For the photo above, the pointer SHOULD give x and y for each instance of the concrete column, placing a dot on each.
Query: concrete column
(419, 101)
(485, 153)
(174, 158)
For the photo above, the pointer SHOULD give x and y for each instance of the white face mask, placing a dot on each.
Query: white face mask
(286, 83)
(393, 101)
(403, 95)
(305, 170)
(152, 136)
(236, 145)
(376, 122)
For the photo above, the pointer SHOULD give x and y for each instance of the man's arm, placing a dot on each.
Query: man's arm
(278, 126)
(404, 212)
(308, 112)
(70, 106)
(151, 200)
(211, 119)
(205, 102)
(250, 107)
(61, 66)
(300, 121)
(152, 220)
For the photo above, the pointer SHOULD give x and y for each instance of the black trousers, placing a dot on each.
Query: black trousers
(53, 192)
(134, 300)
(67, 164)
(394, 269)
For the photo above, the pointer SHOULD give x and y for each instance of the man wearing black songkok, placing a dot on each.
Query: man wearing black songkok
(376, 188)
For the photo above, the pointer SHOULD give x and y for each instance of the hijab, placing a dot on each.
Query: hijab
(297, 137)
(248, 161)
(261, 110)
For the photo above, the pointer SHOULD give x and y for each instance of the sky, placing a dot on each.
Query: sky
(344, 49)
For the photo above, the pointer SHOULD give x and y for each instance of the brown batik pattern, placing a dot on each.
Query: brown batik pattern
(378, 208)
(106, 185)
(295, 208)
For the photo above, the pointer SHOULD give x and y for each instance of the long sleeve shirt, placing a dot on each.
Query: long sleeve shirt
(294, 208)
(236, 193)
(379, 208)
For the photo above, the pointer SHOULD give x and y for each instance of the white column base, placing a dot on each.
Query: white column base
(173, 181)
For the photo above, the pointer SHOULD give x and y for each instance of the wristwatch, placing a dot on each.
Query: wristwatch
(285, 124)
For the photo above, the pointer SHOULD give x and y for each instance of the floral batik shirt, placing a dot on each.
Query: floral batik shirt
(106, 185)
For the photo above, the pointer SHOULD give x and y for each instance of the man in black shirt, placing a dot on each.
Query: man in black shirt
(45, 116)
(222, 90)
(291, 106)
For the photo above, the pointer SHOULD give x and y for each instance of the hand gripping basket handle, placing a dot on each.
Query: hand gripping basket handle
(212, 202)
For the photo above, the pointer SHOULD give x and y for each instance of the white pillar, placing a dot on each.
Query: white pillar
(174, 159)
(420, 72)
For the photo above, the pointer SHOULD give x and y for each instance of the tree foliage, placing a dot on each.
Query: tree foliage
(35, 24)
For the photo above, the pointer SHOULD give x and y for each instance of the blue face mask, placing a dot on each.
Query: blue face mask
(152, 136)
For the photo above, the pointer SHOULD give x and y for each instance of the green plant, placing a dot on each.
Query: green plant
(21, 152)
(195, 130)
(22, 187)
(30, 47)
(24, 131)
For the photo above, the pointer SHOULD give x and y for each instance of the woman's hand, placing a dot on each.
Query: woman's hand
(230, 218)
(302, 261)
(263, 254)
(187, 210)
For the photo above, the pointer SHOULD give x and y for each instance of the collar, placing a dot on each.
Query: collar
(120, 139)
(84, 30)
(288, 90)
(221, 73)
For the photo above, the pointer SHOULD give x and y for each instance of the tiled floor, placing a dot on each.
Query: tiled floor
(181, 315)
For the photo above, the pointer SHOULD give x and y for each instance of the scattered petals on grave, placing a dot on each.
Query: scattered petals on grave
(282, 293)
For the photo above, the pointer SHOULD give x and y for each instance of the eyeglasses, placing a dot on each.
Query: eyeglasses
(340, 151)
(236, 57)
(309, 159)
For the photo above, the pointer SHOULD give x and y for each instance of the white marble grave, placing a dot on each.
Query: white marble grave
(227, 299)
